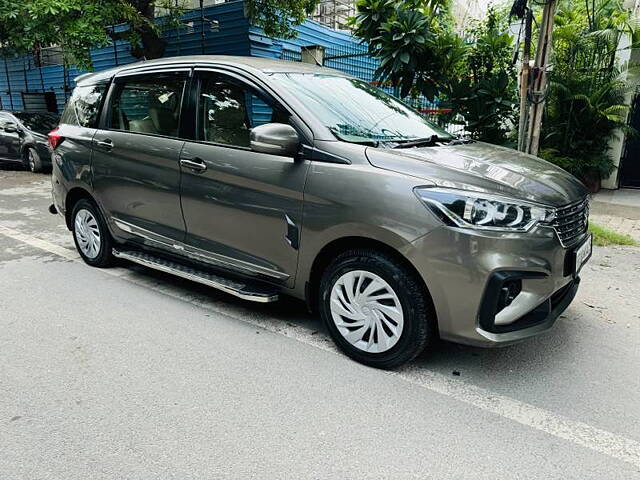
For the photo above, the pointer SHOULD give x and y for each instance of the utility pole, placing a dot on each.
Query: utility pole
(538, 89)
(202, 32)
(523, 125)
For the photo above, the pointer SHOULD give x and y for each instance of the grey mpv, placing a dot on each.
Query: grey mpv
(261, 177)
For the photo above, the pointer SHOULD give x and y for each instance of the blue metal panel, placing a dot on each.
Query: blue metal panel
(342, 52)
(309, 33)
(234, 36)
(231, 38)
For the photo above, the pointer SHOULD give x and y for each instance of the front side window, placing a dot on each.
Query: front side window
(148, 105)
(228, 110)
(356, 111)
(83, 106)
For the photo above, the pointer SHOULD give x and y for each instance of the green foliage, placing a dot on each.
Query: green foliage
(604, 237)
(278, 17)
(79, 25)
(485, 93)
(419, 51)
(586, 105)
(416, 48)
(487, 106)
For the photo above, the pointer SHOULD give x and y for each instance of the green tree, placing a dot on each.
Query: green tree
(485, 91)
(79, 25)
(413, 40)
(278, 17)
(420, 52)
(587, 101)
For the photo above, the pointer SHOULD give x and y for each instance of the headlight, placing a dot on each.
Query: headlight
(477, 210)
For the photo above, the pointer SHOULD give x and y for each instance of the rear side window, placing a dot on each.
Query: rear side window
(38, 122)
(148, 105)
(83, 106)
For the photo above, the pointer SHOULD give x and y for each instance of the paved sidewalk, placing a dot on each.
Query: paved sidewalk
(617, 210)
(618, 224)
(624, 202)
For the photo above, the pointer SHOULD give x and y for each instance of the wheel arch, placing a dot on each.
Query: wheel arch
(74, 196)
(26, 146)
(343, 244)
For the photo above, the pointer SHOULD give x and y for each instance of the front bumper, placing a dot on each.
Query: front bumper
(465, 271)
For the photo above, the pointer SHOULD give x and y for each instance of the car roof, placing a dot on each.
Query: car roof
(264, 65)
(13, 112)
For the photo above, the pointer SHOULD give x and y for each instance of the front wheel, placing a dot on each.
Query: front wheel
(32, 160)
(376, 309)
(91, 235)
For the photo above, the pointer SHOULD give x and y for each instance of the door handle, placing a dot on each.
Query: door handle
(195, 164)
(107, 144)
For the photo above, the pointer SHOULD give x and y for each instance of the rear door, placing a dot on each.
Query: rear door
(242, 208)
(72, 157)
(136, 175)
(9, 141)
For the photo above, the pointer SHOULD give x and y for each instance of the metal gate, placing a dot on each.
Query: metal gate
(39, 102)
(630, 164)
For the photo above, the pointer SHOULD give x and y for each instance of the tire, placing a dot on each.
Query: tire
(91, 235)
(32, 160)
(405, 328)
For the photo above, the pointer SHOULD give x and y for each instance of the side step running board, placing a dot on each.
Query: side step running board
(251, 291)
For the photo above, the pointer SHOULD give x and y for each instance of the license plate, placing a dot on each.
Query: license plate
(582, 254)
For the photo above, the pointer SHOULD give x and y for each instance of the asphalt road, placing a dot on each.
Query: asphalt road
(130, 374)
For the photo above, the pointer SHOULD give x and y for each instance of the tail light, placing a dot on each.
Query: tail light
(55, 138)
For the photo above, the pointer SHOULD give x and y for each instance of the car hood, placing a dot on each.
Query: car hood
(483, 167)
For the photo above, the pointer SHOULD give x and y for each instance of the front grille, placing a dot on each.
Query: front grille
(571, 221)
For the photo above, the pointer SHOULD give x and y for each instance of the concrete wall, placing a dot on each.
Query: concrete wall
(625, 56)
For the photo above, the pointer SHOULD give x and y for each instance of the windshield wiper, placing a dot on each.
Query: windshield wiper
(364, 141)
(432, 140)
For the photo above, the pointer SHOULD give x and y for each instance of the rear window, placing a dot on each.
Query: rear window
(150, 104)
(83, 106)
(38, 122)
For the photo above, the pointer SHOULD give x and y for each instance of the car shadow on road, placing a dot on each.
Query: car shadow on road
(530, 357)
(4, 165)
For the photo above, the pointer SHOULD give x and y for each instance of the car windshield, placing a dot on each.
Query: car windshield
(356, 111)
(38, 122)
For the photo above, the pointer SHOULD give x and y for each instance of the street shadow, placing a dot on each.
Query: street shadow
(530, 357)
(17, 166)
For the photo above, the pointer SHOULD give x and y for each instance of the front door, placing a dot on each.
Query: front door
(242, 209)
(136, 174)
(9, 141)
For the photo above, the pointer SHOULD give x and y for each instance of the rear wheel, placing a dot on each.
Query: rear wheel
(375, 308)
(91, 235)
(32, 160)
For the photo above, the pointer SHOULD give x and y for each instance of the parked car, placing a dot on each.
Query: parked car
(23, 138)
(261, 177)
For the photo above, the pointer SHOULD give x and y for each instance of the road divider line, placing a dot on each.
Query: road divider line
(588, 436)
(579, 433)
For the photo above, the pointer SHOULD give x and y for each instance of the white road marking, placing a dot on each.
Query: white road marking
(38, 243)
(579, 433)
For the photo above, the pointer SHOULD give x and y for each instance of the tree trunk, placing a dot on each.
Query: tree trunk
(151, 45)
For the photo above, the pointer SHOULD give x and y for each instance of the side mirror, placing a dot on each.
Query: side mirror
(276, 139)
(10, 127)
